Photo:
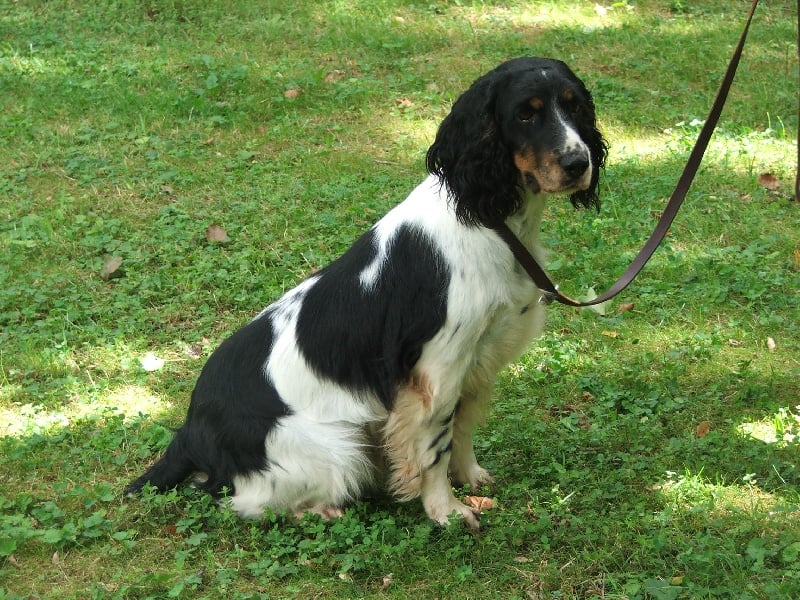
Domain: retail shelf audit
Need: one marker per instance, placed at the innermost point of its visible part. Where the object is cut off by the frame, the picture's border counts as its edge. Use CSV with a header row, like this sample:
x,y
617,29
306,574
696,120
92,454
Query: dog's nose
x,y
574,164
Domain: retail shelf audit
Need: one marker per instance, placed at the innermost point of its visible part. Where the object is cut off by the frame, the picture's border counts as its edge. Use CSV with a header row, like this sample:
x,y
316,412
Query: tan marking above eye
x,y
568,95
536,103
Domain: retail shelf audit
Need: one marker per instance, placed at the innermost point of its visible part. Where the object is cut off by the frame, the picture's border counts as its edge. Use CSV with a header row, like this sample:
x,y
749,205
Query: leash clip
x,y
547,298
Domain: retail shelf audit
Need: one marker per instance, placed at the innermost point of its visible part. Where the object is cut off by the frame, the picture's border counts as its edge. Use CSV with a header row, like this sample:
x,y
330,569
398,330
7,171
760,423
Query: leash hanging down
x,y
550,291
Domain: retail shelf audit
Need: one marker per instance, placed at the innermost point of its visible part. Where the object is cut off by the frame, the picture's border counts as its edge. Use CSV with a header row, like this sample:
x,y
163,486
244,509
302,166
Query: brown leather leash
x,y
550,291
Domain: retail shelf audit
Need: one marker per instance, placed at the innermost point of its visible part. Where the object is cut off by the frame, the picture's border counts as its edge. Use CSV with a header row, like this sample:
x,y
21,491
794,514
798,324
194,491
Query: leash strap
x,y
550,291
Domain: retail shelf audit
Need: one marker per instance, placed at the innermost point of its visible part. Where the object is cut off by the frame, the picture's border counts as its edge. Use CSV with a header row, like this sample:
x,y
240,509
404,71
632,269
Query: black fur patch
x,y
369,339
233,408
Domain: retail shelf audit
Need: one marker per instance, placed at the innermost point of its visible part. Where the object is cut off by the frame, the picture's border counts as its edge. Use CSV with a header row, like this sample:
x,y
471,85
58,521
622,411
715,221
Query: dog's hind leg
x,y
311,467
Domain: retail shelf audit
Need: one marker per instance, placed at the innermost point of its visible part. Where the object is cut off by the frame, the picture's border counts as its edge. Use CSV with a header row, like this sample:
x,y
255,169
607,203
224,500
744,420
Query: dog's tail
x,y
170,470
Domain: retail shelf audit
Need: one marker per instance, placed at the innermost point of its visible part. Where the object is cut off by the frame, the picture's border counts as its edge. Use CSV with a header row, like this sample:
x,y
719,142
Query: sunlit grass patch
x,y
17,420
782,428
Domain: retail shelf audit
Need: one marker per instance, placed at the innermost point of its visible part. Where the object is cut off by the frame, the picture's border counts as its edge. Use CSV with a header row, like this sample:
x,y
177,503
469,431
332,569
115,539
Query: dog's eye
x,y
526,114
573,107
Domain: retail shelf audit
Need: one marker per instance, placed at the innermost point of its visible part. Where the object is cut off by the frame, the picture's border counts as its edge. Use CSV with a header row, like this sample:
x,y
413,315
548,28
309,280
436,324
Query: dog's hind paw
x,y
325,511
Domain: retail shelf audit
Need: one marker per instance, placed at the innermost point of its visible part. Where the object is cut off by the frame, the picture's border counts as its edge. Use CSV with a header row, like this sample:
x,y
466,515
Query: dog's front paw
x,y
474,475
441,512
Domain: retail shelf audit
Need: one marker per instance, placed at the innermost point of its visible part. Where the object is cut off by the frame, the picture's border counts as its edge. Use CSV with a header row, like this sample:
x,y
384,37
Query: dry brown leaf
x,y
734,343
625,307
771,345
291,94
215,233
479,502
12,560
404,102
702,429
56,560
769,181
111,268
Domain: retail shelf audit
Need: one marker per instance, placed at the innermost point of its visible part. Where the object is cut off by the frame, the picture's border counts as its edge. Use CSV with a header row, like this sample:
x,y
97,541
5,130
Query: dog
x,y
375,370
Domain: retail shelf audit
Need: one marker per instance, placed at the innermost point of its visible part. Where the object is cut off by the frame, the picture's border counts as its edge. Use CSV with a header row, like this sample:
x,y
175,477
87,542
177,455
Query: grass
x,y
643,453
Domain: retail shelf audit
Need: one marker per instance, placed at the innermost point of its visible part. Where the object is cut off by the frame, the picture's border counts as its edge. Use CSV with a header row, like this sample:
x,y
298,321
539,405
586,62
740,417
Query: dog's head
x,y
529,122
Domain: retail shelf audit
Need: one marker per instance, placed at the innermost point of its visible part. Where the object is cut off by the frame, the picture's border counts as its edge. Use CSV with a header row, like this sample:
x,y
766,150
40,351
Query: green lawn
x,y
650,451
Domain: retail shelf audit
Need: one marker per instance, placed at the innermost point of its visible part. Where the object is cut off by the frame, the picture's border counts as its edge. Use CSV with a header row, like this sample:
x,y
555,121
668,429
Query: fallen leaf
x,y
479,502
171,530
12,560
609,333
404,102
587,397
797,258
208,141
215,233
677,580
771,345
291,94
56,559
769,181
111,268
387,581
702,429
734,343
625,307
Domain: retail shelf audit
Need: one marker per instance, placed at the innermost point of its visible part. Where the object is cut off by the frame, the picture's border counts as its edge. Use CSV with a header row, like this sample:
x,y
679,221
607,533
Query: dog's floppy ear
x,y
471,160
598,148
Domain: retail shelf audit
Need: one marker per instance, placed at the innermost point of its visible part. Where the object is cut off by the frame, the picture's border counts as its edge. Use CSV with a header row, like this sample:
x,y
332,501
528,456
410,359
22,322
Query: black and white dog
x,y
385,360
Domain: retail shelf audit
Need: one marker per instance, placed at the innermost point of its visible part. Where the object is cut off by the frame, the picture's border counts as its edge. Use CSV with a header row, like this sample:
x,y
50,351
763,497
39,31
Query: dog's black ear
x,y
598,148
471,160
